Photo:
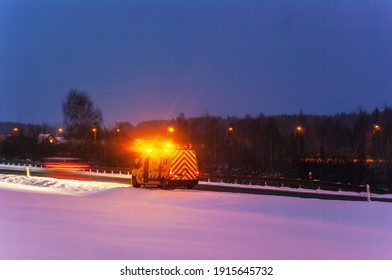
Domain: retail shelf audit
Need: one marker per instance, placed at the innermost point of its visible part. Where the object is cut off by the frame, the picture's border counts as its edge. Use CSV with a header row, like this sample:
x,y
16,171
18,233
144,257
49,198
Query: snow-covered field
x,y
44,218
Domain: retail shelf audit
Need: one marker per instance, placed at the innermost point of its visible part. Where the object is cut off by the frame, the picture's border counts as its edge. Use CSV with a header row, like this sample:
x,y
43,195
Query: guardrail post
x,y
368,192
27,171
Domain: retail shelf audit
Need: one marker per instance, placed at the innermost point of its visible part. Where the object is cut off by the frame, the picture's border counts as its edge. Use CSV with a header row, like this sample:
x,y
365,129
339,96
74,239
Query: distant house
x,y
47,138
61,140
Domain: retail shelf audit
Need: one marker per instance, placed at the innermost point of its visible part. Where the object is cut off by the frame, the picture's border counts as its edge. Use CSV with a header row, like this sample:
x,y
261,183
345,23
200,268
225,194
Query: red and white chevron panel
x,y
184,163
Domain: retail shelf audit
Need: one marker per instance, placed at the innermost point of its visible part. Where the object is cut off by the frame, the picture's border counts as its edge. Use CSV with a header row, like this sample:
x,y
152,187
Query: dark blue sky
x,y
142,60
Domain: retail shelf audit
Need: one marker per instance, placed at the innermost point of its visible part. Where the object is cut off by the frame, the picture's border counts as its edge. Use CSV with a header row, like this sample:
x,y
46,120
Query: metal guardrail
x,y
21,164
291,182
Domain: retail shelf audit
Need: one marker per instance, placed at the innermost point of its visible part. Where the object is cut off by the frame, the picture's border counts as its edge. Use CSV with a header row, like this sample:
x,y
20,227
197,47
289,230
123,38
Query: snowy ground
x,y
44,218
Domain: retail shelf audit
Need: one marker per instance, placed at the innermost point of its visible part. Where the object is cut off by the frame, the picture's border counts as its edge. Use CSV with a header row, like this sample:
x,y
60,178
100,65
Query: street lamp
x,y
298,130
375,139
299,141
376,128
230,129
60,132
94,130
170,130
15,130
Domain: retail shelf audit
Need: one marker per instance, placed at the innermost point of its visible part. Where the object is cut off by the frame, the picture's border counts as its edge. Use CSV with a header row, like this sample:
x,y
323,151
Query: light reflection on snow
x,y
59,185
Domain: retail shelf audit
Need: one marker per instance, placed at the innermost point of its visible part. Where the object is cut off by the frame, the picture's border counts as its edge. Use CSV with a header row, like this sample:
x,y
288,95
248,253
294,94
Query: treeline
x,y
347,147
265,142
351,148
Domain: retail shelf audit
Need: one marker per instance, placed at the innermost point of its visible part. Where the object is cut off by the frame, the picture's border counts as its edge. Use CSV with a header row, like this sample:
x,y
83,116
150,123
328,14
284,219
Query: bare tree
x,y
82,120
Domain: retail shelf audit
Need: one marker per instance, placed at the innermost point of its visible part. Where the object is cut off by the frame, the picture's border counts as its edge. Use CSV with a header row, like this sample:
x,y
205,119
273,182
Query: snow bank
x,y
112,221
57,185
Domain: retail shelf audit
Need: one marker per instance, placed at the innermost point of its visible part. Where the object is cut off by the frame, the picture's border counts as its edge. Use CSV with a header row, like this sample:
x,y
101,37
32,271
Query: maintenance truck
x,y
166,166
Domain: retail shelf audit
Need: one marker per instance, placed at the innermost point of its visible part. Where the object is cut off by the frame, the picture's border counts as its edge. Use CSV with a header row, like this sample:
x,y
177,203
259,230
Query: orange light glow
x,y
15,129
60,130
170,129
67,165
299,128
142,145
376,127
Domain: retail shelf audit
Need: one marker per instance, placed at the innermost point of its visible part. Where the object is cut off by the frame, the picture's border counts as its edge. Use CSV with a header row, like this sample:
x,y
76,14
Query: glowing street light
x,y
376,127
60,132
230,129
170,130
298,130
15,130
94,130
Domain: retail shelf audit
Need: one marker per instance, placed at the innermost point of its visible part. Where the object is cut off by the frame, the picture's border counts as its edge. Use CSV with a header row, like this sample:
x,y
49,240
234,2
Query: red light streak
x,y
67,165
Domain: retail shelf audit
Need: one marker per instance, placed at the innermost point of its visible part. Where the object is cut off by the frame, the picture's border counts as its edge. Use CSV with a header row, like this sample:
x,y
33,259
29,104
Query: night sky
x,y
144,60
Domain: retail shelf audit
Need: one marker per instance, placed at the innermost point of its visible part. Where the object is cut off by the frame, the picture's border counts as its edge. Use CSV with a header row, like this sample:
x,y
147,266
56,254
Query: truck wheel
x,y
164,184
134,182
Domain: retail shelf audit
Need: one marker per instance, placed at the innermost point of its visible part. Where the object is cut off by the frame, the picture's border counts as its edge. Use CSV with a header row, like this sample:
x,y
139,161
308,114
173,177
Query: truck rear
x,y
165,167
